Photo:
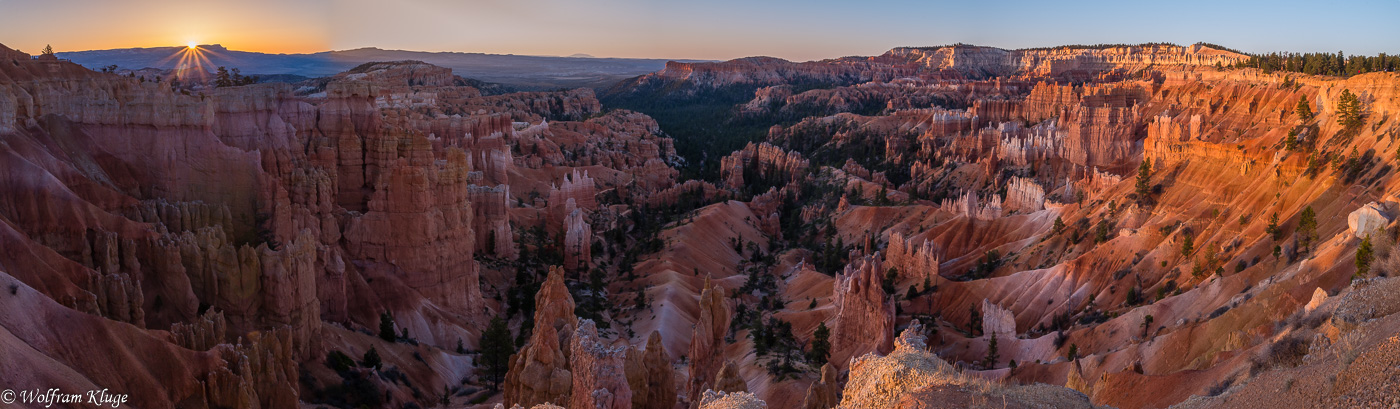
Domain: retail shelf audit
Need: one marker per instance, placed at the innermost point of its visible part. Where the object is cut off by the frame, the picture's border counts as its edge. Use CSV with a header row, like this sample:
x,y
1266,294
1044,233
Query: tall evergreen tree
x,y
821,345
1304,108
222,78
1307,228
1144,182
496,349
990,362
1187,244
1348,110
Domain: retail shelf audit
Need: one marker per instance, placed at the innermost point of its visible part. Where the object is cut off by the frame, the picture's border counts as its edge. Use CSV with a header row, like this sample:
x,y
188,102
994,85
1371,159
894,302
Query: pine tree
x,y
48,50
496,349
1348,110
974,320
1307,228
1059,225
1272,228
1187,244
1304,109
990,362
1144,181
372,359
821,345
221,78
386,327
1364,254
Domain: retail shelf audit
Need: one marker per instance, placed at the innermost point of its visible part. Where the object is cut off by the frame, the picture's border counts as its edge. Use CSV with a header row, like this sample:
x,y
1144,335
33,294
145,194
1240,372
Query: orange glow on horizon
x,y
301,28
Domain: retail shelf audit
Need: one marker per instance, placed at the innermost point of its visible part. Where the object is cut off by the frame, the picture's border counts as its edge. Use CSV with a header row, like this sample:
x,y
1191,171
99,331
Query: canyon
x,y
1120,226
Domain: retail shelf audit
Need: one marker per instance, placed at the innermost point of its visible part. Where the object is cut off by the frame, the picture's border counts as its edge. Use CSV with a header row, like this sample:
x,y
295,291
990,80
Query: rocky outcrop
x,y
970,206
599,378
1059,61
912,261
912,377
1366,220
689,190
1175,140
1024,195
541,371
1318,297
578,242
864,320
491,220
763,161
729,380
1102,129
419,229
576,186
998,321
255,288
650,376
707,341
949,62
539,406
201,334
494,159
260,372
732,400
825,392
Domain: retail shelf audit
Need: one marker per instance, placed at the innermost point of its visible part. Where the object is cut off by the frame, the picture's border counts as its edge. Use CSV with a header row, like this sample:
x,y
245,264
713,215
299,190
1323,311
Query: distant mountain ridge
x,y
519,71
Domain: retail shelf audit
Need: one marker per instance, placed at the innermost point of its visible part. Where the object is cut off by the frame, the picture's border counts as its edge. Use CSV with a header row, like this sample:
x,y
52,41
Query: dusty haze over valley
x,y
346,220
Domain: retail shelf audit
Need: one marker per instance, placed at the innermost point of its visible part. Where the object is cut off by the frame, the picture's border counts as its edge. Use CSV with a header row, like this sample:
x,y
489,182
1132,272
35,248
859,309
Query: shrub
x,y
1364,255
386,327
338,361
372,359
1286,352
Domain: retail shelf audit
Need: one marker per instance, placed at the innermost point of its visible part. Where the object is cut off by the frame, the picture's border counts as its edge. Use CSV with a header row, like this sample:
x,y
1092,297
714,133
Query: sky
x,y
711,29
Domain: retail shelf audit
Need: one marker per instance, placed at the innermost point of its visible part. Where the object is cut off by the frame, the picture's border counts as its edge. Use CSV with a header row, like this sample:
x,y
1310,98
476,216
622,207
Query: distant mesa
x,y
522,72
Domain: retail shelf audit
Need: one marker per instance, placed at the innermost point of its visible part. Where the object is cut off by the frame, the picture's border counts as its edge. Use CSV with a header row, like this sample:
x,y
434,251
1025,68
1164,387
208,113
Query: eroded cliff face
x,y
599,379
541,372
865,315
650,376
947,62
707,342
